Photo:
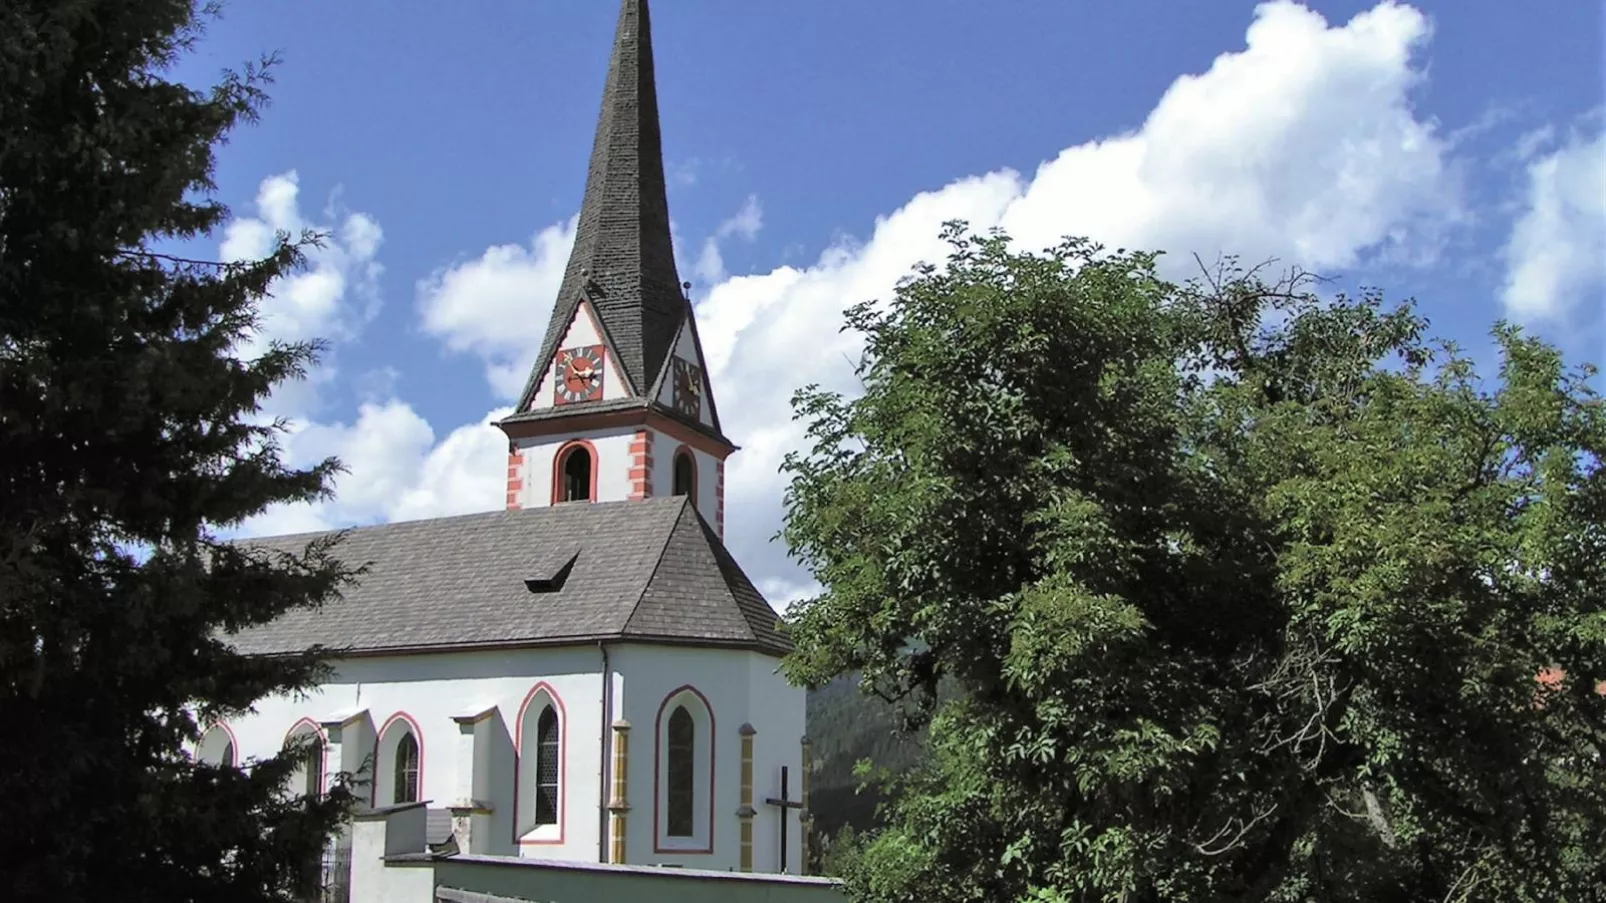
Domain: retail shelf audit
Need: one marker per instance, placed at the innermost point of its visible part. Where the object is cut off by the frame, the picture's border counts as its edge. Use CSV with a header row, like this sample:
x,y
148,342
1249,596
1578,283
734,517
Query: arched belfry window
x,y
546,768
576,475
685,475
680,773
405,770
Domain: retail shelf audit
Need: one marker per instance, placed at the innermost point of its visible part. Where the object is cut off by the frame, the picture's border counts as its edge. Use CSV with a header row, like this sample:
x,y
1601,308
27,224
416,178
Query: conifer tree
x,y
131,439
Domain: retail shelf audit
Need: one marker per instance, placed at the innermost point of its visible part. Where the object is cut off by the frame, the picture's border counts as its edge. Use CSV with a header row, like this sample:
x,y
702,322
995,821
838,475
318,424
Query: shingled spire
x,y
623,260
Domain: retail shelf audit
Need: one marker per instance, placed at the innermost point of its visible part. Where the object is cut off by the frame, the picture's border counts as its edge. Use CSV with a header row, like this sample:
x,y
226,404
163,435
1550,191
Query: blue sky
x,y
1449,151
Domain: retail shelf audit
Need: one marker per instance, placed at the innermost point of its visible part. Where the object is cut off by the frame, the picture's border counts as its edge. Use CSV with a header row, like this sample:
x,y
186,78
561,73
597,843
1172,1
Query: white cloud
x,y
745,224
1556,254
394,470
336,294
1303,145
497,306
331,298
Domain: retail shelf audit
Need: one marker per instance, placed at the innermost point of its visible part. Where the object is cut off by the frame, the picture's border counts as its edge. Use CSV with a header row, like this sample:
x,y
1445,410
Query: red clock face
x,y
688,388
579,374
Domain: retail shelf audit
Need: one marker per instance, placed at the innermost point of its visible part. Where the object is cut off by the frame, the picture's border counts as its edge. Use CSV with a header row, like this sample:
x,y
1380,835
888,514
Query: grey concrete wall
x,y
562,882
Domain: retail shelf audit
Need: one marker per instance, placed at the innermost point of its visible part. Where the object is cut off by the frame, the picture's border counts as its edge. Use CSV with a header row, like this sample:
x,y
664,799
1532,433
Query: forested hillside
x,y
845,727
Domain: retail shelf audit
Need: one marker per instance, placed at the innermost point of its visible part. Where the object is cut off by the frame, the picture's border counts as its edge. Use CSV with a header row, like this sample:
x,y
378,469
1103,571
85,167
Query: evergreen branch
x,y
183,261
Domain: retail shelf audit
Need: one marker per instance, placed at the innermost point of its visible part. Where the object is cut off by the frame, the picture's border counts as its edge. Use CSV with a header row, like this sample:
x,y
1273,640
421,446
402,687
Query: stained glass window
x,y
406,772
681,777
546,768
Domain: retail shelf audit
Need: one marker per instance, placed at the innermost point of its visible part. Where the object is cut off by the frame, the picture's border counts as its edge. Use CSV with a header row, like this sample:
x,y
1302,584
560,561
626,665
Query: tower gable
x,y
686,368
584,331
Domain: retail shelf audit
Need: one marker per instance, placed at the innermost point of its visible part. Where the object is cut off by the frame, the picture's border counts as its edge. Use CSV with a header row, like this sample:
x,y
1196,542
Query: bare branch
x,y
1237,839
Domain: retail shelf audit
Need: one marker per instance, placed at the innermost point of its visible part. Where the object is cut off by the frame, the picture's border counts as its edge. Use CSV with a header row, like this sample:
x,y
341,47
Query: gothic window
x,y
574,474
405,770
538,804
216,747
685,475
307,779
546,768
681,774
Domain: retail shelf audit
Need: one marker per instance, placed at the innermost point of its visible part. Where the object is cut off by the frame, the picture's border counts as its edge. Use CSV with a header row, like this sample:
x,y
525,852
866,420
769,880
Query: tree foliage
x,y
131,433
1245,592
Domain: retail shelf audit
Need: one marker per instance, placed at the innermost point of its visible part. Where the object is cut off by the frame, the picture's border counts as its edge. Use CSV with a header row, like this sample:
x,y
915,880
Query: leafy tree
x,y
1245,592
130,434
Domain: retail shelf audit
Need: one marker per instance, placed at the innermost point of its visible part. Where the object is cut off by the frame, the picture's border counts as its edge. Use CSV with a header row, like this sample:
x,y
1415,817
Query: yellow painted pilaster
x,y
745,812
803,817
619,805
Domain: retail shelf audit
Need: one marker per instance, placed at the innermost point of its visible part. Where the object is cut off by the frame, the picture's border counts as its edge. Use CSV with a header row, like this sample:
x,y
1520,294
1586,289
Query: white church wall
x,y
611,465
778,715
426,693
738,687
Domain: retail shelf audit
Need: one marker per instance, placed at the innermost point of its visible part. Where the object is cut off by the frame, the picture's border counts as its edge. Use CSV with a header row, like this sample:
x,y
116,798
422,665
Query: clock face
x,y
688,388
579,374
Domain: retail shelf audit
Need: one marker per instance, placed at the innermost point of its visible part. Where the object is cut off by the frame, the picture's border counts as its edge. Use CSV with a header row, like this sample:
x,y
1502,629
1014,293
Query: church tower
x,y
618,405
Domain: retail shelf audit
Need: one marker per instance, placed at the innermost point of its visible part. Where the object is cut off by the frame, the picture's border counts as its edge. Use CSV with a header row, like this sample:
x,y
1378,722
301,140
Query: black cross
x,y
784,804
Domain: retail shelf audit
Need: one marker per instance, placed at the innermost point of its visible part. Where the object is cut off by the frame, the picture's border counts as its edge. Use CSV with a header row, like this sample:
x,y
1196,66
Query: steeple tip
x,y
623,260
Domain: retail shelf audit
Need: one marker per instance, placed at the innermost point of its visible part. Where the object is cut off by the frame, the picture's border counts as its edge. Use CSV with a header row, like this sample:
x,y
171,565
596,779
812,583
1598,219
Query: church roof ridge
x,y
623,260
649,571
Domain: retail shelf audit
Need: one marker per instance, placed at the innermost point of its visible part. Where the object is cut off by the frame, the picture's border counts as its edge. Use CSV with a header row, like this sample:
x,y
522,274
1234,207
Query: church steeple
x,y
621,356
623,260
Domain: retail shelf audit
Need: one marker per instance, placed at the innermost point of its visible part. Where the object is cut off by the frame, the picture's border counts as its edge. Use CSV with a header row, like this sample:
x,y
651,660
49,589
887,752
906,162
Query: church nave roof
x,y
651,571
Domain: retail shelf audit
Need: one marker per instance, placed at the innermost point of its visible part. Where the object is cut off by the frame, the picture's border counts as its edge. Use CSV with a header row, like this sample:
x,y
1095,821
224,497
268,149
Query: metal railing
x,y
334,877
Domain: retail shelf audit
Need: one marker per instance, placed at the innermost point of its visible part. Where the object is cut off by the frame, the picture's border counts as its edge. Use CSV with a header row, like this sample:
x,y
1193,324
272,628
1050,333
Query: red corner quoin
x,y
641,466
515,480
719,498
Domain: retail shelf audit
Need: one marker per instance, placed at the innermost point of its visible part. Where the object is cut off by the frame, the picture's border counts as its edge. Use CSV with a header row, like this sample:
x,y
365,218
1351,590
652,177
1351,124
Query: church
x,y
587,676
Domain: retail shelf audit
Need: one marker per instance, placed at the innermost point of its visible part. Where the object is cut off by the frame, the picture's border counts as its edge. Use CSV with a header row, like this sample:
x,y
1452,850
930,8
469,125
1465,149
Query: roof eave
x,y
775,650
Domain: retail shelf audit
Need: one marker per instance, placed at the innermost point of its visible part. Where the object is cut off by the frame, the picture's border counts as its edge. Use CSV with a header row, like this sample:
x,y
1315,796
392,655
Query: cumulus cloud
x,y
1302,145
332,298
1556,254
337,293
745,224
497,305
395,470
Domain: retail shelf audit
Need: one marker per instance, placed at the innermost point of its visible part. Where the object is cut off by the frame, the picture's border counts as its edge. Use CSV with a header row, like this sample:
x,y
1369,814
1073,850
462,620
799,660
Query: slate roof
x,y
650,571
623,258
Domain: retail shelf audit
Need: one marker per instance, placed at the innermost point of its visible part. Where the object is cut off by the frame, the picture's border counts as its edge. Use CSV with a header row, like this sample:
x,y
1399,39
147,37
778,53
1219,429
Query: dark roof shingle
x,y
647,570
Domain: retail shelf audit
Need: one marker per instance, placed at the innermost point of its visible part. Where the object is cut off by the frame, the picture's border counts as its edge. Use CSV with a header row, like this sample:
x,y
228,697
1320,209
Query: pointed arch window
x,y
576,477
216,747
405,771
307,779
683,779
685,480
680,773
539,777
